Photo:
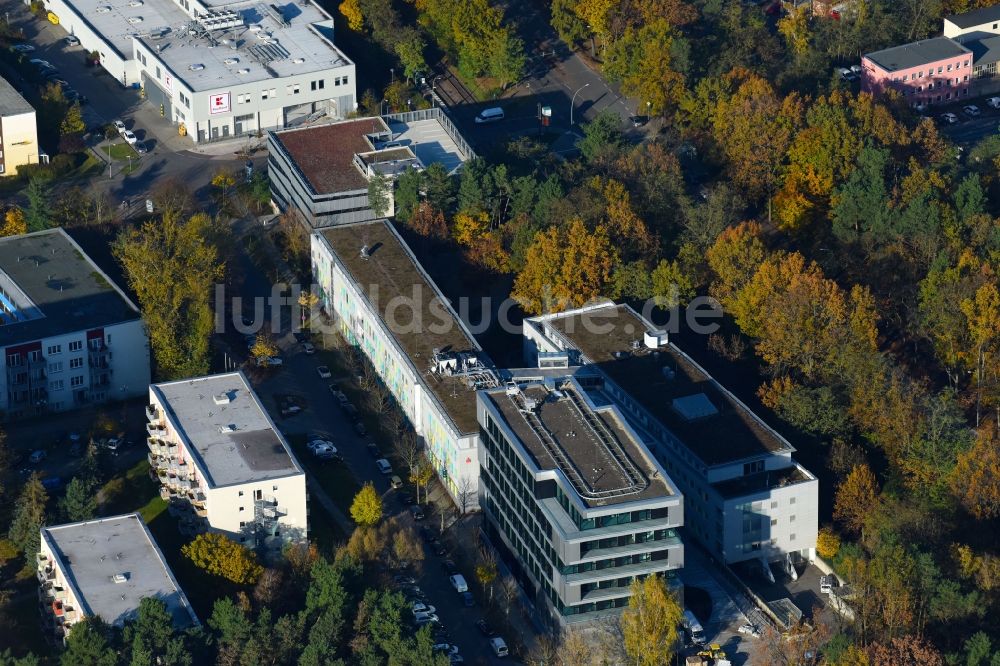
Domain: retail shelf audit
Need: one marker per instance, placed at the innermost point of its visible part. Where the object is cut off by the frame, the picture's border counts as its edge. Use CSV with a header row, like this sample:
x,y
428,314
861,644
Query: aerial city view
x,y
530,332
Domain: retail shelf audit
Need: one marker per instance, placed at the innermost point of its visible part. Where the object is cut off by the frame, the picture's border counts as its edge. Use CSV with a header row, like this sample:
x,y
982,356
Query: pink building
x,y
931,71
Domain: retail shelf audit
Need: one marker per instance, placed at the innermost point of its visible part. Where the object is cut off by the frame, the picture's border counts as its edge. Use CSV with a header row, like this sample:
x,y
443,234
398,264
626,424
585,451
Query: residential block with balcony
x,y
576,502
745,497
222,464
70,337
103,568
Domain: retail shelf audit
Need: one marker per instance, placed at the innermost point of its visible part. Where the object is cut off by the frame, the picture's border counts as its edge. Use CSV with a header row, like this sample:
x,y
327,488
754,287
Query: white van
x,y
490,115
458,582
499,646
694,629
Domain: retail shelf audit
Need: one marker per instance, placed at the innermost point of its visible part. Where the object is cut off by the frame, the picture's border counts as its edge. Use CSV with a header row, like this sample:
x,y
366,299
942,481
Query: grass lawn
x,y
130,491
322,530
22,630
119,151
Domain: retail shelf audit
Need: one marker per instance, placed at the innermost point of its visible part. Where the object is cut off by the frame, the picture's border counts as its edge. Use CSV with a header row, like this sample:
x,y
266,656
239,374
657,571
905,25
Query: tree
x,y
735,258
378,194
439,188
152,637
486,573
565,267
29,517
507,58
72,122
351,10
642,60
407,195
827,542
570,26
264,347
88,644
428,222
79,503
420,475
911,650
649,624
601,137
409,47
38,215
975,479
366,509
855,498
224,181
172,267
14,222
219,555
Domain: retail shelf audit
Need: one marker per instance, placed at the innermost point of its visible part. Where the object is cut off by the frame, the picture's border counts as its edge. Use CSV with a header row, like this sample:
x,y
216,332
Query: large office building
x,y
18,131
384,303
222,464
745,496
577,500
104,568
322,171
219,68
70,337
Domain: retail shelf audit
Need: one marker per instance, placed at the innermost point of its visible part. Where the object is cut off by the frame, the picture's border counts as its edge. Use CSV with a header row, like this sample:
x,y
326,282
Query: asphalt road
x,y
969,131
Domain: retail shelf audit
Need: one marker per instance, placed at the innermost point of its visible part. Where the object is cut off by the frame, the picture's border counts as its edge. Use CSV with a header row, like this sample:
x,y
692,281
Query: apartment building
x,y
104,568
383,302
931,71
976,24
222,464
322,172
70,337
18,131
745,496
219,68
580,506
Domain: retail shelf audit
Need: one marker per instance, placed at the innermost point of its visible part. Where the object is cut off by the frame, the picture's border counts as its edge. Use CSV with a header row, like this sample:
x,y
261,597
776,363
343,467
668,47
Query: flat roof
x,y
224,425
11,101
592,448
975,17
92,552
429,141
656,378
118,21
985,50
916,54
754,483
66,289
324,154
391,275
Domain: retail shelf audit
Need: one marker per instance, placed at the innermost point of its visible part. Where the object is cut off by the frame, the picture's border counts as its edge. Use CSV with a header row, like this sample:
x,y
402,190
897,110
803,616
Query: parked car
x,y
971,110
425,618
449,568
395,482
72,40
456,659
38,62
407,499
993,102
948,118
23,48
350,410
373,450
323,372
308,348
485,629
417,512
421,607
322,448
499,646
338,394
468,600
384,466
440,550
130,137
140,147
120,126
51,483
360,428
458,582
37,457
446,648
116,445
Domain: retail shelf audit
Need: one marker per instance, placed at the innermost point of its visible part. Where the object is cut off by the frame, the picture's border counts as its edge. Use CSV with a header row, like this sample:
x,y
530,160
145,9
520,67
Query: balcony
x,y
156,430
152,414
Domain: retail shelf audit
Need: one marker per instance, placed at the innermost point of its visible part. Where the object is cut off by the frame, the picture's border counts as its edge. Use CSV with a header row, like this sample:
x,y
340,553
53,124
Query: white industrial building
x,y
745,496
580,505
384,303
222,464
70,337
219,69
18,131
104,568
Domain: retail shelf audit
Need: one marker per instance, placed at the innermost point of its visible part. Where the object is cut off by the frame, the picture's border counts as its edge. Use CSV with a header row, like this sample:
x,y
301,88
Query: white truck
x,y
693,628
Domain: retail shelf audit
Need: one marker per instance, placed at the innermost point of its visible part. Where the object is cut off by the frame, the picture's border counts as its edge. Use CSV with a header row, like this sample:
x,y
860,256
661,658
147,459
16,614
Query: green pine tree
x,y
29,516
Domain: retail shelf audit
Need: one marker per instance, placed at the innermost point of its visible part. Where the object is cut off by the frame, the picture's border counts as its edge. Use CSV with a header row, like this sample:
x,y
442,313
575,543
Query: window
x,y
54,349
791,537
55,367
753,467
940,69
774,521
241,508
76,345
345,80
965,64
791,500
949,68
263,94
274,488
241,493
76,381
56,385
774,505
292,89
76,362
791,519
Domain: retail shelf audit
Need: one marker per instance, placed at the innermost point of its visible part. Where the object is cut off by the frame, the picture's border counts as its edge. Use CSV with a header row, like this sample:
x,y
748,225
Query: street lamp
x,y
433,84
392,75
573,101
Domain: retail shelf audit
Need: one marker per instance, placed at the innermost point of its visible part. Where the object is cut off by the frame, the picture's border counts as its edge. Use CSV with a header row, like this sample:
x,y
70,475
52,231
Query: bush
x,y
8,551
218,554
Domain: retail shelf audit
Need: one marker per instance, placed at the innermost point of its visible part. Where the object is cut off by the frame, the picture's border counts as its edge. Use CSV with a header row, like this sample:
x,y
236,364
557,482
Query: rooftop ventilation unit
x,y
197,67
134,19
299,61
655,339
119,578
231,61
221,399
104,9
219,19
224,429
245,70
694,407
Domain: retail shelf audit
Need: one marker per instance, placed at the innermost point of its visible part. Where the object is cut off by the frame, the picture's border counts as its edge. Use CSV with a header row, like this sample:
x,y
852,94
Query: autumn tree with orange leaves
x,y
855,498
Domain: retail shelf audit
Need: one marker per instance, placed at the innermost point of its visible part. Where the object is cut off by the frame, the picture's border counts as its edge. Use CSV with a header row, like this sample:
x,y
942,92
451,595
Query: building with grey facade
x,y
745,497
579,506
322,171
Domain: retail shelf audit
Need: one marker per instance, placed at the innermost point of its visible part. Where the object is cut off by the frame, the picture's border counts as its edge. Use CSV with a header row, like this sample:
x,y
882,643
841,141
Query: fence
x,y
439,115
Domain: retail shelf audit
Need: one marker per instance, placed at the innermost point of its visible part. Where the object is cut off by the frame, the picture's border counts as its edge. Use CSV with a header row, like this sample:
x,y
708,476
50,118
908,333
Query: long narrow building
x,y
386,305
